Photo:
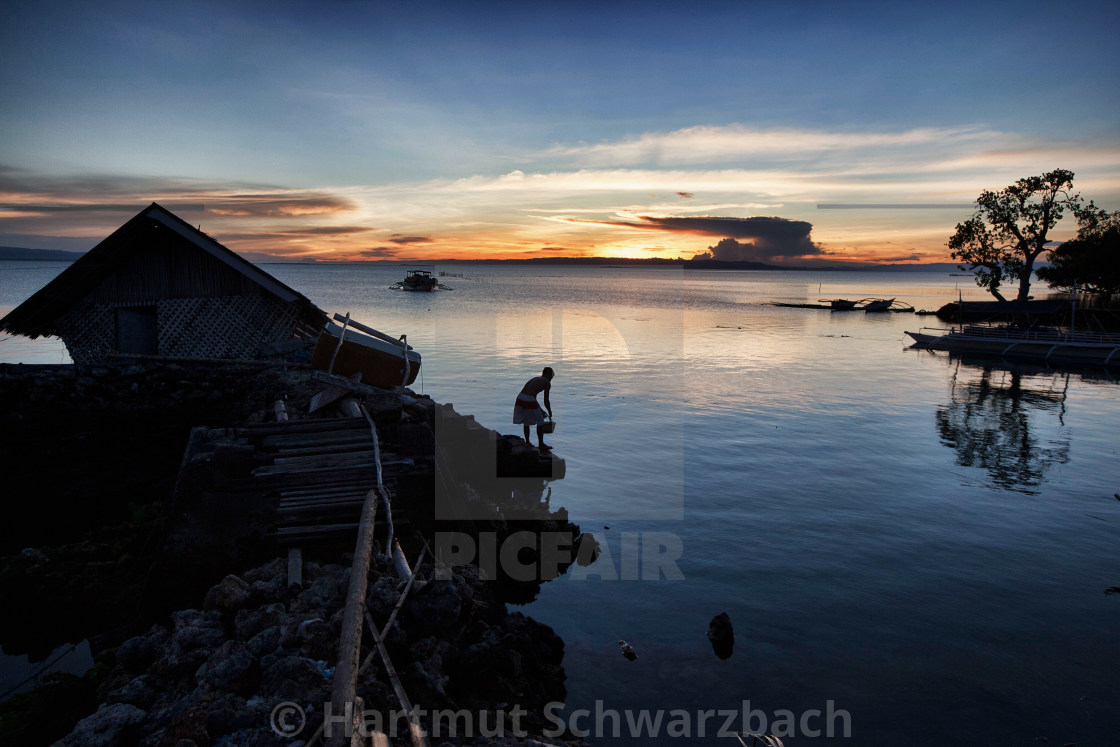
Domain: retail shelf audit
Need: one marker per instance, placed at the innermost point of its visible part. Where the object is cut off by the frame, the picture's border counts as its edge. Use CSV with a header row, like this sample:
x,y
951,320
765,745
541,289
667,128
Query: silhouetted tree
x,y
1005,236
1092,260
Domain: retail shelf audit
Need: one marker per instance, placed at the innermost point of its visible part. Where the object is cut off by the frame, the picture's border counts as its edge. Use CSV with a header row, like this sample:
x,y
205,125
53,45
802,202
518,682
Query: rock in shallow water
x,y
722,635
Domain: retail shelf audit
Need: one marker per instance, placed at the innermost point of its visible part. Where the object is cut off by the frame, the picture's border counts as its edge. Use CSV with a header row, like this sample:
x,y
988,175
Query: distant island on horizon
x,y
11,253
38,255
689,264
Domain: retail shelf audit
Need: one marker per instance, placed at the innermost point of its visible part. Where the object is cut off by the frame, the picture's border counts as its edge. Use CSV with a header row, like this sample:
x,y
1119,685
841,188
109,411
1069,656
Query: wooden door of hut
x,y
137,330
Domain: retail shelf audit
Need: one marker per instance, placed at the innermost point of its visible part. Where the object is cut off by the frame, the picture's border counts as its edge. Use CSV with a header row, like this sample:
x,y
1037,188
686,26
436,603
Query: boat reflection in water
x,y
1009,422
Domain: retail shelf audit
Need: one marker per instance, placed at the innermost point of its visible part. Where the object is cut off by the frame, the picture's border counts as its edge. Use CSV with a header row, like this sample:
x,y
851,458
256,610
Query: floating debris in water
x,y
628,650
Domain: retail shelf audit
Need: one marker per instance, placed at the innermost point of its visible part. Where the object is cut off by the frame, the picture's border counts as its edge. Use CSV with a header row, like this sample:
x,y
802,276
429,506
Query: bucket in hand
x,y
548,426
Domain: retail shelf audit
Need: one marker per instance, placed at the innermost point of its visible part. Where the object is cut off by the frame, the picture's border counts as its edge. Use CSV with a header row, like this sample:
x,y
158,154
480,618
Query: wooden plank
x,y
371,331
305,508
321,399
290,513
316,478
316,500
319,493
310,425
290,473
337,459
323,438
325,499
317,529
324,490
304,539
315,449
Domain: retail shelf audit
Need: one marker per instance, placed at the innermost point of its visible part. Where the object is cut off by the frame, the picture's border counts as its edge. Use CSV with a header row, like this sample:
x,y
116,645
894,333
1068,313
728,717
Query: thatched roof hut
x,y
159,286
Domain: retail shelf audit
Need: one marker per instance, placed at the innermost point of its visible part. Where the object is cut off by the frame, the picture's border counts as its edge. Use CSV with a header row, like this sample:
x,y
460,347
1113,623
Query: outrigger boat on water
x,y
878,304
419,281
869,304
1034,344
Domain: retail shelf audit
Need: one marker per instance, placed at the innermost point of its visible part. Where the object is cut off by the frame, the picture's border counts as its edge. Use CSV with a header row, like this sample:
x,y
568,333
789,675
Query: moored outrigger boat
x,y
419,281
843,304
885,304
878,304
1036,344
353,348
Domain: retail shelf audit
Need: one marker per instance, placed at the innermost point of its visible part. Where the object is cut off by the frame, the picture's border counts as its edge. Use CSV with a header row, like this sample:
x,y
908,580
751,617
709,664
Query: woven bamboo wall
x,y
223,327
89,331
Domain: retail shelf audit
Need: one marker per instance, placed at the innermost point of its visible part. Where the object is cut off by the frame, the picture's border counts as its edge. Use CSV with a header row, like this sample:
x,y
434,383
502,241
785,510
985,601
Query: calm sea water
x,y
923,542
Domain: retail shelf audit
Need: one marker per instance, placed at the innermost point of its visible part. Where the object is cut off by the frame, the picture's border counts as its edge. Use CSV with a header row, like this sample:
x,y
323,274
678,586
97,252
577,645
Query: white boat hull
x,y
1057,350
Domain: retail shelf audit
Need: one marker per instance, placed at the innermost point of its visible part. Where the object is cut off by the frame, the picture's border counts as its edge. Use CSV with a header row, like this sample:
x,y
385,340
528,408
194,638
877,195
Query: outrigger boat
x,y
1035,344
878,304
869,304
419,281
352,348
840,304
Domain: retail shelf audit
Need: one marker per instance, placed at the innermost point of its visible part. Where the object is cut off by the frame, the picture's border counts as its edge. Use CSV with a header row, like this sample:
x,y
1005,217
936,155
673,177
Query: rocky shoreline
x,y
215,675
212,672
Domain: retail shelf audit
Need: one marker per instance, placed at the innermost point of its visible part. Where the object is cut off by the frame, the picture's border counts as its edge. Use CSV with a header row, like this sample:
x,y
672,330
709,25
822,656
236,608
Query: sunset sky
x,y
351,130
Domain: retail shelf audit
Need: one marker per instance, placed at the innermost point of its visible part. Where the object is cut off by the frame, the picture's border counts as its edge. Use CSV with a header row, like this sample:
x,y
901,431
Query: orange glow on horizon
x,y
359,249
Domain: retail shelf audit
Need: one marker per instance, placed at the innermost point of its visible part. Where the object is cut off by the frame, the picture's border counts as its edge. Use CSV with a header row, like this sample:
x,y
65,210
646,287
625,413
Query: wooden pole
x,y
350,638
371,331
415,731
295,571
341,339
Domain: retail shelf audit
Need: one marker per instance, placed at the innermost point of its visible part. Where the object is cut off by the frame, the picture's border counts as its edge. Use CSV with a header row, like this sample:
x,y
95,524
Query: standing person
x,y
527,412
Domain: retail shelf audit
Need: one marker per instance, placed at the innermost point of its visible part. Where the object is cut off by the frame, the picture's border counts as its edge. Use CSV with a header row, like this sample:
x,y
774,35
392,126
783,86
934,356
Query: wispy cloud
x,y
380,252
733,143
603,198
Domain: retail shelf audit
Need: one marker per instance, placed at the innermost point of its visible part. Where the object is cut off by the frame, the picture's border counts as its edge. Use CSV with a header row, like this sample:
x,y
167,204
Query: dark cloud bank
x,y
759,239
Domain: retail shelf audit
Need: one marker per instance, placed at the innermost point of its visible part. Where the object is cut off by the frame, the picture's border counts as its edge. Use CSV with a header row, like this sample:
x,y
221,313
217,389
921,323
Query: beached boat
x,y
1035,344
353,348
417,280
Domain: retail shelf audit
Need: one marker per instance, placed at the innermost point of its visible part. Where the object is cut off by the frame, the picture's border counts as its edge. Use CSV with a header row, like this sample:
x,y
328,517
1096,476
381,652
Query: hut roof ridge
x,y
38,314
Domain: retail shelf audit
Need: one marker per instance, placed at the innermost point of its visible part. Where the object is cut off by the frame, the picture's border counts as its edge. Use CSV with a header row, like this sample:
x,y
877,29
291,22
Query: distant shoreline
x,y
10,253
20,254
619,262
